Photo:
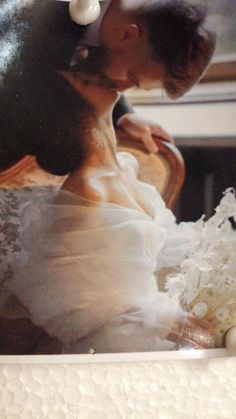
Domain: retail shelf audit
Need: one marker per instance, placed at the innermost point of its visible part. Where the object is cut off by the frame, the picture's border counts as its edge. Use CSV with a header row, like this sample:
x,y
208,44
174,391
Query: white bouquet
x,y
205,281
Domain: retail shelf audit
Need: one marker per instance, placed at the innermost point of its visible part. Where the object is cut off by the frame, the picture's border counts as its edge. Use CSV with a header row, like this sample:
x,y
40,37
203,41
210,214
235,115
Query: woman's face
x,y
100,97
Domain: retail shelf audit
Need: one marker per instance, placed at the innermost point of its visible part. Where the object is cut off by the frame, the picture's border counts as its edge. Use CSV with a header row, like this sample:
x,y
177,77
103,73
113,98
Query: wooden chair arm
x,y
165,170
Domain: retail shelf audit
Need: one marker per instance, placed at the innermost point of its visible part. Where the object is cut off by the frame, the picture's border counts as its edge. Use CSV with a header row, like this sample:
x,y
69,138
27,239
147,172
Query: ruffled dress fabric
x,y
87,272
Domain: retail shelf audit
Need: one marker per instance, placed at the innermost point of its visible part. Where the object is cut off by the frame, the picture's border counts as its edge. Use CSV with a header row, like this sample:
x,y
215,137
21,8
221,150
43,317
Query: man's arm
x,y
122,107
125,118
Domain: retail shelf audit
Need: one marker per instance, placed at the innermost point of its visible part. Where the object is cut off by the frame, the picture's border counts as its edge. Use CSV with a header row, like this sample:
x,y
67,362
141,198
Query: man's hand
x,y
144,130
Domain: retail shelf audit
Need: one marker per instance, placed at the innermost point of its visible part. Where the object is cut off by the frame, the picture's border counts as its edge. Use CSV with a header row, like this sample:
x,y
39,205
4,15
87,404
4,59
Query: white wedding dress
x,y
88,273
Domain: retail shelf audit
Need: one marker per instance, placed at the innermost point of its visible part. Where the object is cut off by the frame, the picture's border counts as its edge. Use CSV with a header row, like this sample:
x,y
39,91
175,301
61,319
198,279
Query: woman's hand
x,y
193,333
143,130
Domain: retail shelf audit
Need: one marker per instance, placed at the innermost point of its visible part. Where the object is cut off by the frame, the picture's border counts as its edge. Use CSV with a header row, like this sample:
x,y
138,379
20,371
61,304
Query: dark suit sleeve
x,y
122,107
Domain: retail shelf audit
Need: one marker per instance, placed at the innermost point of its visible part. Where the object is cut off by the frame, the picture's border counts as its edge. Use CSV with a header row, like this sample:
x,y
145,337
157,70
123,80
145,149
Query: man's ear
x,y
130,33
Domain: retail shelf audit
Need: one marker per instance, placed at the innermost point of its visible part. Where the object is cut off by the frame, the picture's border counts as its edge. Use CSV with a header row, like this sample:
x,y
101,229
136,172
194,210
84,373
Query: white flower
x,y
200,309
222,313
190,295
175,286
208,269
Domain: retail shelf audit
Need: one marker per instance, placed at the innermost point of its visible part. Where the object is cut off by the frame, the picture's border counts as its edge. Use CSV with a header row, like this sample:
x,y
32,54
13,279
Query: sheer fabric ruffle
x,y
87,272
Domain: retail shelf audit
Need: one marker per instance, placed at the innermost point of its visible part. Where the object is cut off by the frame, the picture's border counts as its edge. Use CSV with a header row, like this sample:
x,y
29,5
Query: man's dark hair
x,y
180,40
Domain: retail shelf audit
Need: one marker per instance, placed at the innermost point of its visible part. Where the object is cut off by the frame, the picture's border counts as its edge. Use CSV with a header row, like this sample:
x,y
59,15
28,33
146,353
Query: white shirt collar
x,y
92,32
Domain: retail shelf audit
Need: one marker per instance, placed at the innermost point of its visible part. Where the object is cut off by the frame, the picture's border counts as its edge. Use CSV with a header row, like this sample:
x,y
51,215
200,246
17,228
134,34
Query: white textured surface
x,y
148,390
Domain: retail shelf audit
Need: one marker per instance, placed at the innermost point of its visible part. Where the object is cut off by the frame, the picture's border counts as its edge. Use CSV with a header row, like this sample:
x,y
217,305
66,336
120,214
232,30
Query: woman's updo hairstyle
x,y
40,114
66,136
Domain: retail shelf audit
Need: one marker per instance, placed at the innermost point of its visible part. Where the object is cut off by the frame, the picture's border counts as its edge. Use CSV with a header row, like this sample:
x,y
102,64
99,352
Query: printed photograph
x,y
117,176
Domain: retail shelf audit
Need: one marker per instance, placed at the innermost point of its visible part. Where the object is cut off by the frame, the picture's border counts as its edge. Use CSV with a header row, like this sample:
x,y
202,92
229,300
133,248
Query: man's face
x,y
125,39
134,68
124,57
123,69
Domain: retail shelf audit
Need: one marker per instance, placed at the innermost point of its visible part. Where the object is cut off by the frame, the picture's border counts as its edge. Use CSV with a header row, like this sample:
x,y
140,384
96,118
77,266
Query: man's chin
x,y
116,84
110,84
121,89
121,86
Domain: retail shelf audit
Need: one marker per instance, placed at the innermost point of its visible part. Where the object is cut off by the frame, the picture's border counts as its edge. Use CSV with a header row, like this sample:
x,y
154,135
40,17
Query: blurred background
x,y
224,15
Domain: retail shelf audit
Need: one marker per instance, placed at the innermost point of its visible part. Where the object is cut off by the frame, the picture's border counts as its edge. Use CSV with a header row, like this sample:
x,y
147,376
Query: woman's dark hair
x,y
180,40
40,114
